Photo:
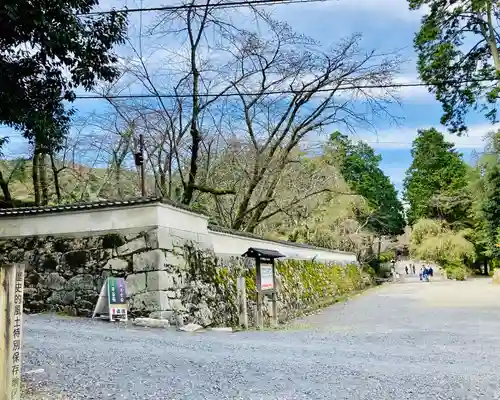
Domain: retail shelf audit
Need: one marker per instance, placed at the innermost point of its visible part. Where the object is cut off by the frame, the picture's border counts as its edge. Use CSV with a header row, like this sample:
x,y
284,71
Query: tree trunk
x,y
44,186
118,178
193,168
55,173
5,189
490,36
189,188
34,175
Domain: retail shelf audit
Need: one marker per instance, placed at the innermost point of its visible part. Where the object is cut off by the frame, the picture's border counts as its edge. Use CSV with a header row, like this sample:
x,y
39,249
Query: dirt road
x,y
437,340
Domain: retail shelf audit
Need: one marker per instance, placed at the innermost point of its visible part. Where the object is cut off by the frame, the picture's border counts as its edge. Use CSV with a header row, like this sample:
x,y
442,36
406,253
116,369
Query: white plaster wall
x,y
172,217
85,221
172,223
229,244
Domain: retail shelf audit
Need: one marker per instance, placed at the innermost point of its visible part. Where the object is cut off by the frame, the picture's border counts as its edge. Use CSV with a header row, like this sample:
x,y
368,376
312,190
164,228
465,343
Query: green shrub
x,y
456,271
386,257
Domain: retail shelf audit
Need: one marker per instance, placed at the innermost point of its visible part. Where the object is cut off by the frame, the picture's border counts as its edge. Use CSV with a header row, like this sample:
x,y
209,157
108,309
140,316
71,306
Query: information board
x,y
113,299
266,277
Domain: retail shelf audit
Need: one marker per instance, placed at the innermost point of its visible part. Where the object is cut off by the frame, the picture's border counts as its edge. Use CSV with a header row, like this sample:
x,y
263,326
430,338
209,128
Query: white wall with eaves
x,y
172,223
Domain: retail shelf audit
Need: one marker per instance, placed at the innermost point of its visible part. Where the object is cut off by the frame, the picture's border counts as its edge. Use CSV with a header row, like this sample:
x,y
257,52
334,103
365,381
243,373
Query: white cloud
x,y
408,94
401,138
390,9
413,94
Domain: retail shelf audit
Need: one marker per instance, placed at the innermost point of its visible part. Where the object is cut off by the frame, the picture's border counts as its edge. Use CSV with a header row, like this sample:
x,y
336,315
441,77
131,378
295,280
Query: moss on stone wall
x,y
302,286
212,295
306,285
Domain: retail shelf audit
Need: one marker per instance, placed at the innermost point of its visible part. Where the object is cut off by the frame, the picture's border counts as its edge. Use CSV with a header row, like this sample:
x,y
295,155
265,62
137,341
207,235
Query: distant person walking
x,y
406,269
413,267
426,274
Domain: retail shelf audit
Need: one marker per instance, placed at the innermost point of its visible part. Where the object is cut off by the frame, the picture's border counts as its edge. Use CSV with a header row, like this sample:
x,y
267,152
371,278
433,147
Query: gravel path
x,y
400,341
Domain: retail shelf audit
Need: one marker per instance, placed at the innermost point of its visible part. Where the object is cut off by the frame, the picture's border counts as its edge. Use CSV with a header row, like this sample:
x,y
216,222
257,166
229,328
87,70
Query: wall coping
x,y
94,205
81,208
227,231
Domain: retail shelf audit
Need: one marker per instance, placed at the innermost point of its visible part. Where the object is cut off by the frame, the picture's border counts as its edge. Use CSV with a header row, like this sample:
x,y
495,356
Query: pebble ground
x,y
438,340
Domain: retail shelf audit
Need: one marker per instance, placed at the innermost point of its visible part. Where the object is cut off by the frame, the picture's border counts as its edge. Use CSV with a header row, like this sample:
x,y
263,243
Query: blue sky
x,y
386,25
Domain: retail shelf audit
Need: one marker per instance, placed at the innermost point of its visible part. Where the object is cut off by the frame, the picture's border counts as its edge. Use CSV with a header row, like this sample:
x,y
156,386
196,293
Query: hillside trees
x,y
47,51
463,230
435,183
458,56
485,185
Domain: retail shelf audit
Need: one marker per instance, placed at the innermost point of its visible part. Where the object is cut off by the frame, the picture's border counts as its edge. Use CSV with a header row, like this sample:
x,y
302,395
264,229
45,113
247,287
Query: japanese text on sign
x,y
266,277
17,331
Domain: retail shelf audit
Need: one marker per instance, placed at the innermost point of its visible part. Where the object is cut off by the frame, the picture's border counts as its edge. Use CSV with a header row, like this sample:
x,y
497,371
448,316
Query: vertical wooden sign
x,y
11,330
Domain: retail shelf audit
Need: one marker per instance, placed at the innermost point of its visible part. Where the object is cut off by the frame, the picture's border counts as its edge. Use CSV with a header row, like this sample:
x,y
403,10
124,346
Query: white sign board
x,y
113,300
266,277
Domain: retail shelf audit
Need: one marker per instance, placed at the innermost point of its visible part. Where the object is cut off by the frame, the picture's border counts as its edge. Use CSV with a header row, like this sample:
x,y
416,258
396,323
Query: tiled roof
x,y
22,211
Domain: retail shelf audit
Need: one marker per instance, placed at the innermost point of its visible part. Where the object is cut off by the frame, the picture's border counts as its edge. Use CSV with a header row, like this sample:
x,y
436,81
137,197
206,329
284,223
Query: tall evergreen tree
x,y
458,56
360,167
435,183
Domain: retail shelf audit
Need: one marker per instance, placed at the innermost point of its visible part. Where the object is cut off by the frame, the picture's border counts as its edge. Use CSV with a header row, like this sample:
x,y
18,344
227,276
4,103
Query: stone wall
x,y
176,266
210,295
66,273
178,281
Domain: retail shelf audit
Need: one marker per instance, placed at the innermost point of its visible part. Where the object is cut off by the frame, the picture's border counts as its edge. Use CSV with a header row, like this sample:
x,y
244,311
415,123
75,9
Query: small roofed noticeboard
x,y
112,300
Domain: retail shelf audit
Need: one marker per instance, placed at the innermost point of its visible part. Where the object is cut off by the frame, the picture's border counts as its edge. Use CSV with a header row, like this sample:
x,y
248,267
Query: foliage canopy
x,y
435,182
360,167
458,56
47,51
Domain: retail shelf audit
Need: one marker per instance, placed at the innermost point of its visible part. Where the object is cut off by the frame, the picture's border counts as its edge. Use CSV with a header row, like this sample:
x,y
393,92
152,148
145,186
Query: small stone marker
x,y
11,330
191,328
151,322
222,329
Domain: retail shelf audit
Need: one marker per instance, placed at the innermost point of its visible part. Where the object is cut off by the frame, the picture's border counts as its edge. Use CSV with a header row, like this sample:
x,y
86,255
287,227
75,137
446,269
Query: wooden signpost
x,y
11,330
266,281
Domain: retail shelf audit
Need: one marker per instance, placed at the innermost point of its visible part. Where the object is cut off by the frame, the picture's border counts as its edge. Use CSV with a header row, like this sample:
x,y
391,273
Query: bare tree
x,y
243,98
291,90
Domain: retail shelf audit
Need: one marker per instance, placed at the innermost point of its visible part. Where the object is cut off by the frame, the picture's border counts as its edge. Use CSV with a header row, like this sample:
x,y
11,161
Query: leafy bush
x,y
386,257
456,271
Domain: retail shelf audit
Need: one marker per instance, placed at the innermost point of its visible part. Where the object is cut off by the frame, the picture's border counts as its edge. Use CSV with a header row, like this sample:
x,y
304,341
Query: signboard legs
x,y
274,317
242,301
11,329
259,320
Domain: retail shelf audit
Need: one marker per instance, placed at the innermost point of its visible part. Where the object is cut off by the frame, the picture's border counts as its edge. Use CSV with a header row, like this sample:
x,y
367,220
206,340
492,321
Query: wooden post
x,y
242,301
260,314
11,328
260,297
274,318
274,299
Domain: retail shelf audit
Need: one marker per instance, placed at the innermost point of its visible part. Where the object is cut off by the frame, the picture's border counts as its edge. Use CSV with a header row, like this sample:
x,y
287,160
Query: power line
x,y
289,91
472,146
228,4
